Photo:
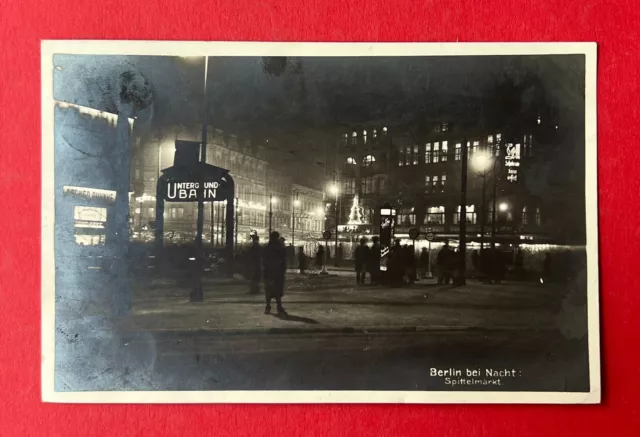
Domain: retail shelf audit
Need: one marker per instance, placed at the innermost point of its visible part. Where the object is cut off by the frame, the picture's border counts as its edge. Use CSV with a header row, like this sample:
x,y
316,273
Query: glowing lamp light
x,y
274,200
296,202
503,207
334,190
481,161
319,212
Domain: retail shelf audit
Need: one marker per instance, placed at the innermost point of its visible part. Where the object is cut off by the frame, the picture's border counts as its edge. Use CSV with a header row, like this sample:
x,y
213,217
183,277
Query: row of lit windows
x,y
438,151
435,215
354,135
367,161
368,185
435,183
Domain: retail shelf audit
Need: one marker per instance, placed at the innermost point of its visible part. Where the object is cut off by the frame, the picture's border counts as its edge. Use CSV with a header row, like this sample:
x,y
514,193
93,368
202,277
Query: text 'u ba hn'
x,y
189,190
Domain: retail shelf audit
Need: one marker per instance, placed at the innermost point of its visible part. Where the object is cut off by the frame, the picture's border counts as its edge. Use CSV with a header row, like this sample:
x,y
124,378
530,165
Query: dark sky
x,y
307,104
311,95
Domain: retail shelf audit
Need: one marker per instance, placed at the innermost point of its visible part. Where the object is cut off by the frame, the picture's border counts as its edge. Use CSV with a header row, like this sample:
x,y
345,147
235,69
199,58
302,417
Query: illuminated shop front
x,y
84,178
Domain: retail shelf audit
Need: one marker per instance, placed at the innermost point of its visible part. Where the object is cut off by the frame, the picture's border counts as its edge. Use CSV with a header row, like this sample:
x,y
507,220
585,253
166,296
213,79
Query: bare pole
x,y
203,155
270,213
463,215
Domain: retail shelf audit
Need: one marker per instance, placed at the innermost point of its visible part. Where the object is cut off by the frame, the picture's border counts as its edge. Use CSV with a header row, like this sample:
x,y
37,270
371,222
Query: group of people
x,y
268,263
401,266
367,259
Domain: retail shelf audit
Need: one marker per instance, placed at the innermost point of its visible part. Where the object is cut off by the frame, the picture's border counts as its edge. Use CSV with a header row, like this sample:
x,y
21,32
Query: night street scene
x,y
413,223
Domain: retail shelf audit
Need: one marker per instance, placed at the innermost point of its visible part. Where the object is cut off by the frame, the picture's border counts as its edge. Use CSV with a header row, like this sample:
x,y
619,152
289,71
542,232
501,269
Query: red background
x,y
613,25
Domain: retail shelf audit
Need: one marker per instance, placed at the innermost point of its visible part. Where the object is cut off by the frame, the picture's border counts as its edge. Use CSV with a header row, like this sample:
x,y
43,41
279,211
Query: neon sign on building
x,y
512,161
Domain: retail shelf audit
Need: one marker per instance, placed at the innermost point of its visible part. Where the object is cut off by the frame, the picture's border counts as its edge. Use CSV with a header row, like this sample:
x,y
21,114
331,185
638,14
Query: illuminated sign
x,y
90,193
188,191
355,229
387,230
512,161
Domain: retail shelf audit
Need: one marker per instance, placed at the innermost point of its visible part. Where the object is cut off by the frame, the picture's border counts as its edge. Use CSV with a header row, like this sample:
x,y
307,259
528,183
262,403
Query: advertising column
x,y
387,230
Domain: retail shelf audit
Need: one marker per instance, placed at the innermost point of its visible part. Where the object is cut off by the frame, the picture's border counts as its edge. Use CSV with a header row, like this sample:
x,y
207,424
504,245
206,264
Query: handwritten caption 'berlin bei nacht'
x,y
470,377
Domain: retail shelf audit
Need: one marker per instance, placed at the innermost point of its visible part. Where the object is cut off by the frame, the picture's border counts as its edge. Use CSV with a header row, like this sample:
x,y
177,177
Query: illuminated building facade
x,y
420,176
256,183
85,181
363,175
428,178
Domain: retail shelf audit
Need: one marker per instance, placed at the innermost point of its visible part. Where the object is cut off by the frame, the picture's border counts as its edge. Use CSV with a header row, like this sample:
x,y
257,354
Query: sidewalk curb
x,y
178,333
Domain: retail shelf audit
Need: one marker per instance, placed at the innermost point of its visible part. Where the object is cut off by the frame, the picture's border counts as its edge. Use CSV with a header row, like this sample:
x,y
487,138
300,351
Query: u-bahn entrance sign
x,y
188,191
192,181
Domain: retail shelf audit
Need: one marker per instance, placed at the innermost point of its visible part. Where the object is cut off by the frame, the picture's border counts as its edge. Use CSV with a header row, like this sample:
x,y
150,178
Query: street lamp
x,y
335,191
503,207
272,201
481,162
296,203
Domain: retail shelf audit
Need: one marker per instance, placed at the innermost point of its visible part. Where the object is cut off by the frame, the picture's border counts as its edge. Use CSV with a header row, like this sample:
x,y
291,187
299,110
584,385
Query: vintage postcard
x,y
315,222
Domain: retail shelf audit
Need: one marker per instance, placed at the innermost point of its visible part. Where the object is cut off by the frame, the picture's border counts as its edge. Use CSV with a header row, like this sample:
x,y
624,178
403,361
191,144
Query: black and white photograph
x,y
319,222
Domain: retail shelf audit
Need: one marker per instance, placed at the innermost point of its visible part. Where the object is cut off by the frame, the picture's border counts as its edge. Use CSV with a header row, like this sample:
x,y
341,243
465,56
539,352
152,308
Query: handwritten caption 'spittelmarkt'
x,y
477,377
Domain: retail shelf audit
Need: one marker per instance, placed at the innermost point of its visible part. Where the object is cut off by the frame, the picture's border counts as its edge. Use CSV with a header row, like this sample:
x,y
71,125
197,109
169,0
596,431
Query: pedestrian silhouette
x,y
302,261
320,256
362,256
255,265
445,262
423,263
274,261
373,263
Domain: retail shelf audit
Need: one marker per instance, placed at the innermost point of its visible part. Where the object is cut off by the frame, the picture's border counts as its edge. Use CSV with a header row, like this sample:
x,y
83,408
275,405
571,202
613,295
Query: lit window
x,y
470,215
89,224
384,129
434,216
401,157
445,150
525,216
366,184
349,186
351,160
407,156
368,160
435,183
427,182
443,181
406,217
375,133
436,152
415,155
538,217
427,153
382,187
458,152
445,127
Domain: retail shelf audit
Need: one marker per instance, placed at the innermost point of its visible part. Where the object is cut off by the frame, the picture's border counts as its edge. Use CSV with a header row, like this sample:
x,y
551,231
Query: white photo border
x,y
191,48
